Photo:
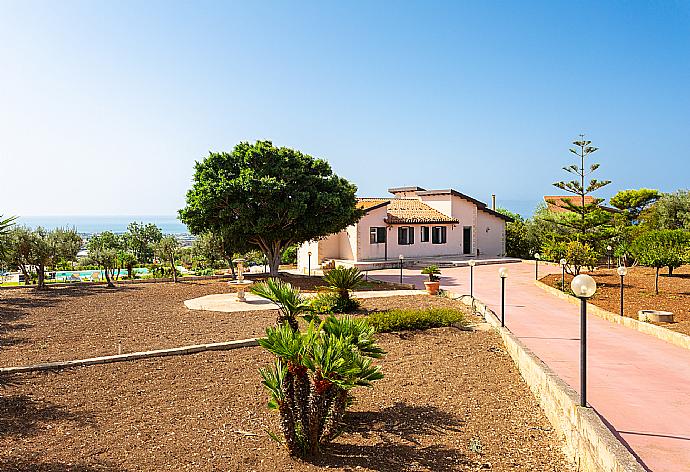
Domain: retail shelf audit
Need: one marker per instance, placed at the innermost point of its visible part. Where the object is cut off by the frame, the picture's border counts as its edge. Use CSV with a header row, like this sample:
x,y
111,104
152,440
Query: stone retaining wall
x,y
673,337
590,444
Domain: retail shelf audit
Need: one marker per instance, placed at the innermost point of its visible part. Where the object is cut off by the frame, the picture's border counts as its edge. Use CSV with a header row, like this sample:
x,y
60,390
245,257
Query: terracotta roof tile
x,y
556,203
370,203
402,210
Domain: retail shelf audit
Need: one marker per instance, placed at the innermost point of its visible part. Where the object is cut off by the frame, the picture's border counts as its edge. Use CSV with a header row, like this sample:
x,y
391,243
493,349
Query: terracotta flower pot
x,y
432,287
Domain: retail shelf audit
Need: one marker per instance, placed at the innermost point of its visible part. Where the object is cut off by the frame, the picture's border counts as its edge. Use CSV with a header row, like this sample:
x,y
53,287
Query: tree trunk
x,y
27,279
174,269
656,282
670,271
273,256
41,271
107,277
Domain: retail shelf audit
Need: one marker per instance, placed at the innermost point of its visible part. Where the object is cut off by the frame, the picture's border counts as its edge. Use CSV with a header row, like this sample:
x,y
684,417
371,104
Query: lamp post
x,y
402,259
503,274
622,271
309,263
471,263
608,256
536,265
583,287
563,264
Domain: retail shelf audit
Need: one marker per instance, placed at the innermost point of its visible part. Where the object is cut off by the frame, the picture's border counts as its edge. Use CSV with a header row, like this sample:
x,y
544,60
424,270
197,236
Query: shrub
x,y
289,255
433,272
331,302
417,319
312,376
342,280
291,303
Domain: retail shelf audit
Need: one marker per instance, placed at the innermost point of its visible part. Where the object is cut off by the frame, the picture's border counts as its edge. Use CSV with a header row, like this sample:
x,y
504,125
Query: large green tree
x,y
634,202
269,198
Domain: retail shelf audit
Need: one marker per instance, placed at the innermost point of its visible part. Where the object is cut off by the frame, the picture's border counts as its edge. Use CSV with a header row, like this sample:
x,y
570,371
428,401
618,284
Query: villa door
x,y
467,240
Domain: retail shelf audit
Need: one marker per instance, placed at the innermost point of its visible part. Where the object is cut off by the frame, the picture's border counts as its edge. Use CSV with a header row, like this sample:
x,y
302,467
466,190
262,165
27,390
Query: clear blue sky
x,y
105,106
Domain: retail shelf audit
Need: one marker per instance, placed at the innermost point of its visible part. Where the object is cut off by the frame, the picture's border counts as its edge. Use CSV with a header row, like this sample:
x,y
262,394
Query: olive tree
x,y
140,238
166,249
264,197
662,248
103,250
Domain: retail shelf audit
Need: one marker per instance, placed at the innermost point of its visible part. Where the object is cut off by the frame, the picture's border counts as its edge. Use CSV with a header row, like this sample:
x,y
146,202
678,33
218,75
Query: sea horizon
x,y
91,224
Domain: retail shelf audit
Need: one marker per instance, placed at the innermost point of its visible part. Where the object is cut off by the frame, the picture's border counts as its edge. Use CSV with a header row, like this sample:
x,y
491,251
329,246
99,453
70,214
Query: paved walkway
x,y
228,303
639,384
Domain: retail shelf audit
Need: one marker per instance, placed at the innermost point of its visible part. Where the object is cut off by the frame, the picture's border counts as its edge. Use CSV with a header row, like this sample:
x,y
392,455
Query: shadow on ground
x,y
22,416
21,464
398,433
15,305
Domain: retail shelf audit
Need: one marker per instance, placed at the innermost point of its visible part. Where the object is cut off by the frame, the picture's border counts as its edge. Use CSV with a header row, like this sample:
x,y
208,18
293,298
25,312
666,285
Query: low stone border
x,y
132,356
590,444
665,334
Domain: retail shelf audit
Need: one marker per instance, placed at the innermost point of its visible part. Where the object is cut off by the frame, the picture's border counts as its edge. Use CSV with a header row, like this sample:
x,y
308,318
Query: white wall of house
x,y
426,249
353,243
365,250
491,234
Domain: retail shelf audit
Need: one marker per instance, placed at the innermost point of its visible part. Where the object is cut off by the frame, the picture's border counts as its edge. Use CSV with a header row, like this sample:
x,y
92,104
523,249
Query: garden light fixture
x,y
471,263
583,287
563,264
309,263
537,256
402,259
609,250
503,274
622,271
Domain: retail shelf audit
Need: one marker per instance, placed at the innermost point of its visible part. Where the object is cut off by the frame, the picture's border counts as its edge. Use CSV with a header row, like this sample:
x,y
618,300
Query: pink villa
x,y
415,223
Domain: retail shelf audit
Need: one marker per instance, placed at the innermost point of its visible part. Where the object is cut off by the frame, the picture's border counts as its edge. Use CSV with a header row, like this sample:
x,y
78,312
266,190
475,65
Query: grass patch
x,y
416,319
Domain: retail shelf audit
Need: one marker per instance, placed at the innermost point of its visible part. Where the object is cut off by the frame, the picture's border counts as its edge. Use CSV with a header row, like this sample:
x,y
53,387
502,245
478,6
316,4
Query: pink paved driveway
x,y
639,384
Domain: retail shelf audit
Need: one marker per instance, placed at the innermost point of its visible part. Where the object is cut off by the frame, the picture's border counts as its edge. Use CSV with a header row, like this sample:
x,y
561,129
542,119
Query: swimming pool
x,y
87,274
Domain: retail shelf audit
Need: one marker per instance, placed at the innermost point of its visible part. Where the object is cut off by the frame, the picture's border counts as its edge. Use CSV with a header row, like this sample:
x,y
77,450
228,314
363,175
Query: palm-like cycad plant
x,y
313,375
5,226
342,280
289,299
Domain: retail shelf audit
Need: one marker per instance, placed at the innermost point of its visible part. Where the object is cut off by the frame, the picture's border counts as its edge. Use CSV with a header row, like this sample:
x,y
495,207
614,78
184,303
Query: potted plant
x,y
433,284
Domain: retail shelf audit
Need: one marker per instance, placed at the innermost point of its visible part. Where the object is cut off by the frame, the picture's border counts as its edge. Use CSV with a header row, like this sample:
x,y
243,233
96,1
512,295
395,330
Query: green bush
x,y
289,255
417,319
342,280
331,302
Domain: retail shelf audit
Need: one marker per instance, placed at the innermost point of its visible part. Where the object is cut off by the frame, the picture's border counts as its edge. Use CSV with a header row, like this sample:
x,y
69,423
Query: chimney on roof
x,y
493,201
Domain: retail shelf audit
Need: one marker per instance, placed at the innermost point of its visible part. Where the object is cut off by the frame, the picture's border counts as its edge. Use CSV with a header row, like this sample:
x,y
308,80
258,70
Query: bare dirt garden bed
x,y
674,293
73,322
451,400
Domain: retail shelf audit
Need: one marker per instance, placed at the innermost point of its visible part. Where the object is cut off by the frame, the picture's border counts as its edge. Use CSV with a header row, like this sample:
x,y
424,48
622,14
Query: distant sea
x,y
98,224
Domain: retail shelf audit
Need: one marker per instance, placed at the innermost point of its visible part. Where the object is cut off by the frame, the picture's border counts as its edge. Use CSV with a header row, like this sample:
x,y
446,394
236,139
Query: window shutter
x,y
410,235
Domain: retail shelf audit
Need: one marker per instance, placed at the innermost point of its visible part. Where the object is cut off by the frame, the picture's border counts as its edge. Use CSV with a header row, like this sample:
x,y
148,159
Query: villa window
x,y
405,235
424,234
438,235
377,235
